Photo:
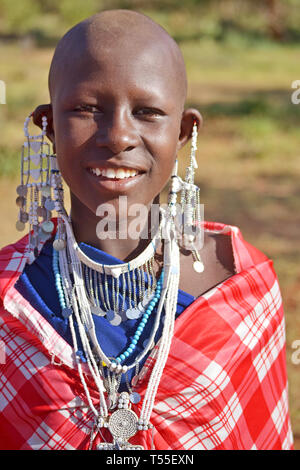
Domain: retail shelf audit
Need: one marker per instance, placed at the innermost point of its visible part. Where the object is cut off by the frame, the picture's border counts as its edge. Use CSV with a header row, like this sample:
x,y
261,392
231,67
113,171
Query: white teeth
x,y
111,173
120,173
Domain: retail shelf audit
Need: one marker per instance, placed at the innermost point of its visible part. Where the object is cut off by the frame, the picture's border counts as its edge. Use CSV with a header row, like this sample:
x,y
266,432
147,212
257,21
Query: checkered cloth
x,y
224,385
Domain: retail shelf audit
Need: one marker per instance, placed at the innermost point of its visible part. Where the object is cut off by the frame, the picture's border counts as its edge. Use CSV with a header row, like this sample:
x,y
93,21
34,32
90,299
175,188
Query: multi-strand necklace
x,y
83,287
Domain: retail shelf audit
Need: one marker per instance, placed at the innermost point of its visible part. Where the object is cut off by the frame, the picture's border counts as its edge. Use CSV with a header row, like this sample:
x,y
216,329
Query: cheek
x,y
71,134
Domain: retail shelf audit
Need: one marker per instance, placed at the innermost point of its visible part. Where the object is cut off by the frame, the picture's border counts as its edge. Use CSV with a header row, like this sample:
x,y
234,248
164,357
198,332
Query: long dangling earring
x,y
190,211
34,192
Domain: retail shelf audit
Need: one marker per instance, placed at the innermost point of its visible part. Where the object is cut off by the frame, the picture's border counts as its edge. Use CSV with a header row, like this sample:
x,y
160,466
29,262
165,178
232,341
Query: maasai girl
x,y
126,327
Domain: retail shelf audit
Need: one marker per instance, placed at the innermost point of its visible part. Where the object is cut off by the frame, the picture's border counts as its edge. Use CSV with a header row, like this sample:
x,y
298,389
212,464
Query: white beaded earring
x,y
34,192
189,210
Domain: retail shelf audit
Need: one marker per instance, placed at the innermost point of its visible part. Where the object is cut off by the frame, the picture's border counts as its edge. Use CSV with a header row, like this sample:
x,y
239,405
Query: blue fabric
x,y
37,285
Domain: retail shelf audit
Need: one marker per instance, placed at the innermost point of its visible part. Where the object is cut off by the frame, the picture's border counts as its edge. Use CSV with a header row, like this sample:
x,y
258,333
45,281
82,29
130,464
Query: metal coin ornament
x,y
122,424
96,310
35,188
21,190
133,313
48,226
198,266
20,226
116,321
59,244
110,314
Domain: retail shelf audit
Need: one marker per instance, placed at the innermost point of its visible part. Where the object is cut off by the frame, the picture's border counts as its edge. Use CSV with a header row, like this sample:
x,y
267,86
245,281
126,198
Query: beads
x,y
143,322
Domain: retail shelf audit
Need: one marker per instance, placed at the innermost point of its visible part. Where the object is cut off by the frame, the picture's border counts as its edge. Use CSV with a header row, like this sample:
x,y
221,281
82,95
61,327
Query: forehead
x,y
106,65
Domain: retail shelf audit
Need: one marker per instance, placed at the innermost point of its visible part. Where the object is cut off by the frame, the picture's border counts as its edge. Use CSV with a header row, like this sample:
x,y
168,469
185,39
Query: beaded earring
x,y
34,192
189,210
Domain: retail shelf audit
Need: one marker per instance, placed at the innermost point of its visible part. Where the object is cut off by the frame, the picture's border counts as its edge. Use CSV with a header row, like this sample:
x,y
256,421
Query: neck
x,y
123,237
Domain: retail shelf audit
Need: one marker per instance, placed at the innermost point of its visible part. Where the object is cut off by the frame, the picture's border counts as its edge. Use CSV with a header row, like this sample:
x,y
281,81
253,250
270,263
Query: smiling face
x,y
117,110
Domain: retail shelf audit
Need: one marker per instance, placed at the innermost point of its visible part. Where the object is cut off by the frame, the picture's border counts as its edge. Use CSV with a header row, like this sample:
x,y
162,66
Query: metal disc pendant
x,y
24,217
96,310
198,266
123,424
20,201
135,397
140,307
116,320
110,315
48,226
21,190
49,204
20,226
59,244
133,313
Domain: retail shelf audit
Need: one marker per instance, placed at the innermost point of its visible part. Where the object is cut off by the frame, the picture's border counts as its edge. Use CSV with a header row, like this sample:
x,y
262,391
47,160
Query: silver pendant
x,y
122,424
135,397
116,320
110,314
133,313
198,266
97,311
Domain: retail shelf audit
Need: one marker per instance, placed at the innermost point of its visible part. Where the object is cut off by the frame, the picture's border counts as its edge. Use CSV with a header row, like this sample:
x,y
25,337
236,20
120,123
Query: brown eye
x,y
148,112
87,108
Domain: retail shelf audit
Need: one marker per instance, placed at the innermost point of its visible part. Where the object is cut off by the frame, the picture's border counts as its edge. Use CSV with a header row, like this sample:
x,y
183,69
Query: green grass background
x,y
240,75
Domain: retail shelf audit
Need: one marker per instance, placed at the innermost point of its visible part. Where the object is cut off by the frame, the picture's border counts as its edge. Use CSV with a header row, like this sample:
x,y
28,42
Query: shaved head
x,y
126,30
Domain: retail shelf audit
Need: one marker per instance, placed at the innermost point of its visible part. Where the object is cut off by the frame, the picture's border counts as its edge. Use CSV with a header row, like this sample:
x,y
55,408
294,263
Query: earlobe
x,y
189,116
38,113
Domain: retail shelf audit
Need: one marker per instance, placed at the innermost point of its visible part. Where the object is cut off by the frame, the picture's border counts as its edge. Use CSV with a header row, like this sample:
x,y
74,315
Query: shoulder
x,y
224,254
217,257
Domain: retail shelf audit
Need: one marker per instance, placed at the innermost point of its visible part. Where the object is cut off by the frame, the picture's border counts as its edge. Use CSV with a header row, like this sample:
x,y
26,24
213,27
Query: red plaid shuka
x,y
224,385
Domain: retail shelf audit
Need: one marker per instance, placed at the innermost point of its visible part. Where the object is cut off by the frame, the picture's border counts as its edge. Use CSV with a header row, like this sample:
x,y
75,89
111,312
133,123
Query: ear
x,y
38,113
189,116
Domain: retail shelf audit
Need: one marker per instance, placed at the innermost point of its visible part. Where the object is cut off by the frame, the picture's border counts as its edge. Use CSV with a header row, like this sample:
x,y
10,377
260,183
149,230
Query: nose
x,y
119,134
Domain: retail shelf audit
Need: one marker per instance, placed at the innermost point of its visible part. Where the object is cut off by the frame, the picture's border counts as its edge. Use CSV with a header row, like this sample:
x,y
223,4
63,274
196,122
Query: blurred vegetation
x,y
241,58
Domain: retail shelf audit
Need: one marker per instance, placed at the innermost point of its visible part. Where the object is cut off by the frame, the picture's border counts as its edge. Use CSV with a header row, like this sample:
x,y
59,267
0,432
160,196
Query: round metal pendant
x,y
110,314
97,311
49,204
48,226
123,424
24,217
116,320
135,397
59,245
20,226
198,266
21,190
20,201
133,313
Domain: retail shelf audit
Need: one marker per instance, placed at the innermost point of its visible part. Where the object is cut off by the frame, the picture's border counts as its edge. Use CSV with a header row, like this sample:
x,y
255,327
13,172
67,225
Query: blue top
x,y
37,285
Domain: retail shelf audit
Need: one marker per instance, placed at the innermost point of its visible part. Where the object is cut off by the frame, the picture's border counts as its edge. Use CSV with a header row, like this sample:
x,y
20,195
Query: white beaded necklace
x,y
76,299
